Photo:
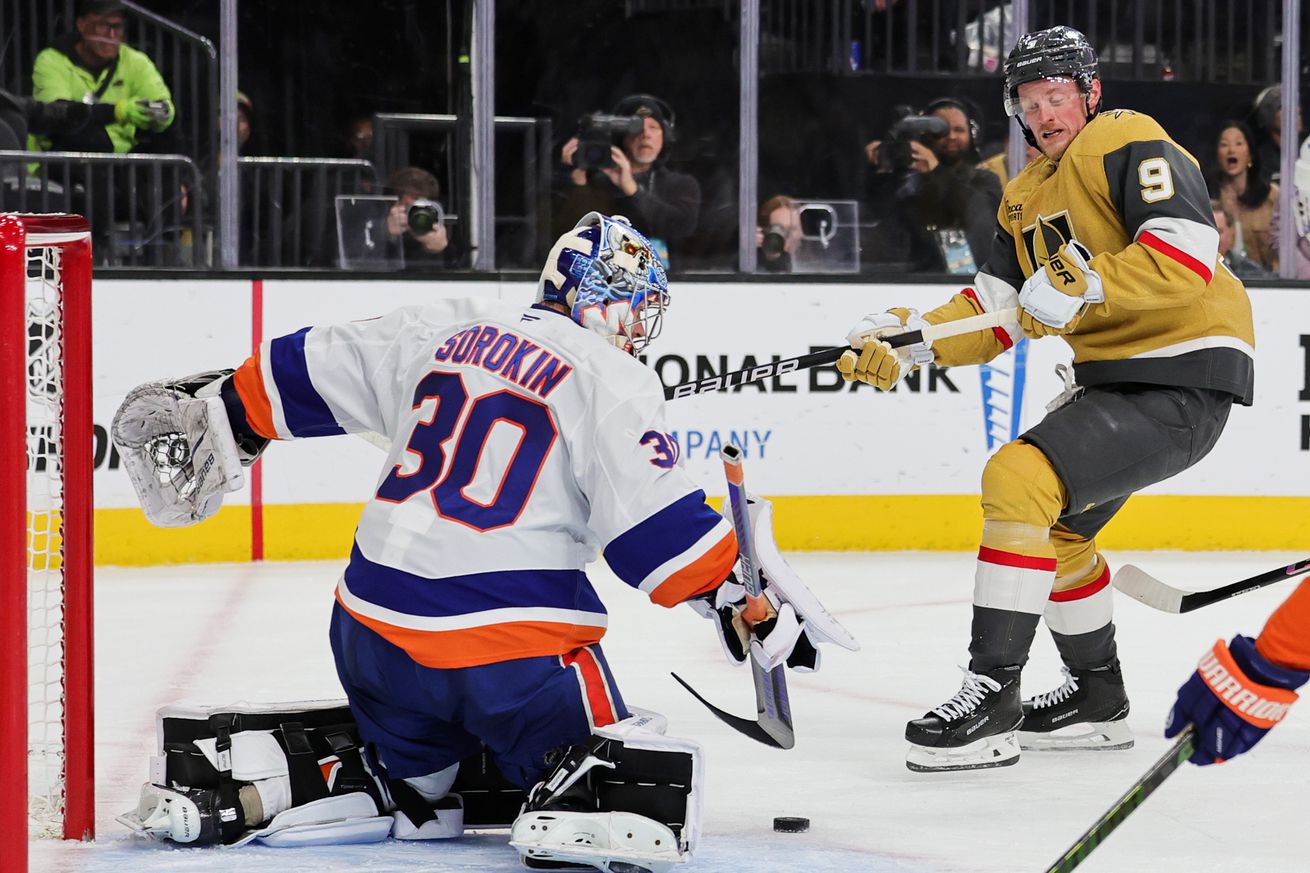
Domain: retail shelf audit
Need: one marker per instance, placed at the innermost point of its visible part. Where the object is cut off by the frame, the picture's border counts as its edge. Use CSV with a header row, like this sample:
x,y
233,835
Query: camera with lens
x,y
158,109
423,216
598,133
896,154
775,241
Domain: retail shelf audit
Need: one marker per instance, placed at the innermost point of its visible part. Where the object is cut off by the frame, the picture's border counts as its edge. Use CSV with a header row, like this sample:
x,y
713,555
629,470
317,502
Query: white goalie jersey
x,y
521,444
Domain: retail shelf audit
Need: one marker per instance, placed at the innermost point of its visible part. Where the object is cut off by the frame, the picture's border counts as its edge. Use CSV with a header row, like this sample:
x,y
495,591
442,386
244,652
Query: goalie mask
x,y
609,277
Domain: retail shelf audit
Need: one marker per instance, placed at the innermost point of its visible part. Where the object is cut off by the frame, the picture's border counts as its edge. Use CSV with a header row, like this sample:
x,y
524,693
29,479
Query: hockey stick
x,y
772,724
1142,586
1178,753
930,333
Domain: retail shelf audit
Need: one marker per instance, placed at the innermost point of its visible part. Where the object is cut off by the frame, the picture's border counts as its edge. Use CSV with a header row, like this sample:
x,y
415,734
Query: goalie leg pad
x,y
627,796
489,799
269,769
342,819
293,774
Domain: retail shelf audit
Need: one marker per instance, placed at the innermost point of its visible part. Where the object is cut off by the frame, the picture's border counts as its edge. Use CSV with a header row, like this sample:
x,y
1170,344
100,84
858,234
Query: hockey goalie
x,y
466,635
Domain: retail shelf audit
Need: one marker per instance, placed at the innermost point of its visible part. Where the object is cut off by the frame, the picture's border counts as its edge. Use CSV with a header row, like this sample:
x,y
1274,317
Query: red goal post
x,y
46,558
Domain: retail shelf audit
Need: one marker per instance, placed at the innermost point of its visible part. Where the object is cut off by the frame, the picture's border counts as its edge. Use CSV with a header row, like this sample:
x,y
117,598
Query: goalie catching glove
x,y
179,450
796,621
1055,298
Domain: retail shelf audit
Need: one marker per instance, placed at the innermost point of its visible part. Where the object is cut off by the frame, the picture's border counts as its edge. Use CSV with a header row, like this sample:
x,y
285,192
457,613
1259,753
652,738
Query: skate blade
x,y
1093,736
1001,750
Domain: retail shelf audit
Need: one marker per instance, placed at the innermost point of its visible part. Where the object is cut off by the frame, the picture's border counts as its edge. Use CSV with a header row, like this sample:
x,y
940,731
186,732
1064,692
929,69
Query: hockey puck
x,y
791,824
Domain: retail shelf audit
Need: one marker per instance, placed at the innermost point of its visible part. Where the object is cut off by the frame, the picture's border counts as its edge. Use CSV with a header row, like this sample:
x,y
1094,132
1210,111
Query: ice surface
x,y
219,633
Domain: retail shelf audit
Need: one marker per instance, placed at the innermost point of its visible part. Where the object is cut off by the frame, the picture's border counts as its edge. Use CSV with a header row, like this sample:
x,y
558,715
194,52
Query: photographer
x,y
931,192
416,221
777,234
92,66
616,164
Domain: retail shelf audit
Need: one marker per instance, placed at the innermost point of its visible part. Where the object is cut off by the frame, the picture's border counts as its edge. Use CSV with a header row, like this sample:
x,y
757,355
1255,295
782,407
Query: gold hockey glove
x,y
874,361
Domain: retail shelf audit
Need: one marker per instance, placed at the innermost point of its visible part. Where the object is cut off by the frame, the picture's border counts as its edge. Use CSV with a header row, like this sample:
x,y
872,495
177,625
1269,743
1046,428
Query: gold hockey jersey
x,y
1174,314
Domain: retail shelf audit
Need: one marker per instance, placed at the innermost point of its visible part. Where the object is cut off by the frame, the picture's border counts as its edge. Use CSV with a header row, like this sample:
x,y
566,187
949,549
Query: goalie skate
x,y
617,842
973,730
1088,712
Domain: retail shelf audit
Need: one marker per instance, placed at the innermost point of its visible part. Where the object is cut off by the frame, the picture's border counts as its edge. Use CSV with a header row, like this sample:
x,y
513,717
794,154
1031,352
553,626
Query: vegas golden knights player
x,y
1107,241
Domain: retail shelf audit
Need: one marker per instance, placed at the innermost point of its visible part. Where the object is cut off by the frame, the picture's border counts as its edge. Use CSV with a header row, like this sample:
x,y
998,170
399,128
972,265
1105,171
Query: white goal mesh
x,y
45,559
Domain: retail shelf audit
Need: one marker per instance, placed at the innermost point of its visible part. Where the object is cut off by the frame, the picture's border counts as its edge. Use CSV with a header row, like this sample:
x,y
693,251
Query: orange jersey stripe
x,y
701,575
1286,638
489,644
600,709
249,382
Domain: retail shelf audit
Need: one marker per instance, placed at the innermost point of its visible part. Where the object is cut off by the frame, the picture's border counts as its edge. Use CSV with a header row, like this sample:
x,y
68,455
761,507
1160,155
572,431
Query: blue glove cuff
x,y
1262,670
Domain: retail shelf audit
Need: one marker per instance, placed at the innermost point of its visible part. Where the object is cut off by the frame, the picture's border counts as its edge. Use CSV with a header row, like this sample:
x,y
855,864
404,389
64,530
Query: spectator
x,y
777,233
1240,184
245,111
1242,266
1300,216
660,202
251,248
412,185
359,138
92,65
937,191
1268,111
13,122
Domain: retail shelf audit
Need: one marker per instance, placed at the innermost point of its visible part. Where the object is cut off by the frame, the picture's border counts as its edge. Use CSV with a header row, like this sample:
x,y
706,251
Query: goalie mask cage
x,y
46,448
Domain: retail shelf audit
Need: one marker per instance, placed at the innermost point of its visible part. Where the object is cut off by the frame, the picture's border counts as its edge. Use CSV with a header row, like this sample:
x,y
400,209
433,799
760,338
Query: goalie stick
x,y
1177,755
930,333
772,724
1142,586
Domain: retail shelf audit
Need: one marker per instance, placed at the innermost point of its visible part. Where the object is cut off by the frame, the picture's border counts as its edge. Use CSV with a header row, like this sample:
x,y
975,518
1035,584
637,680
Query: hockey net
x,y
46,443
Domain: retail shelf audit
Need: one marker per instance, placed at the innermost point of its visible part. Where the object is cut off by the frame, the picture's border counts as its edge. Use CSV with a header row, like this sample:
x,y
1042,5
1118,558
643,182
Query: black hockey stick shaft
x,y
749,727
1177,755
1198,599
824,357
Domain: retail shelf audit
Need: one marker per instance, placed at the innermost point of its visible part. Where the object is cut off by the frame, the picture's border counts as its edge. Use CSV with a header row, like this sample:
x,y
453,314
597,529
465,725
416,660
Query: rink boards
x,y
847,469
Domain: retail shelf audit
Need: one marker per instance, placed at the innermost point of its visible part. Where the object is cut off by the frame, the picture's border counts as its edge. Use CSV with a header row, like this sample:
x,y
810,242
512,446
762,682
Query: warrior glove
x,y
1235,696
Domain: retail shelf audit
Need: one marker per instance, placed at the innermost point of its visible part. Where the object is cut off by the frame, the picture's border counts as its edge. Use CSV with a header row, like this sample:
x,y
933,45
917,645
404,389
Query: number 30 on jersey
x,y
431,440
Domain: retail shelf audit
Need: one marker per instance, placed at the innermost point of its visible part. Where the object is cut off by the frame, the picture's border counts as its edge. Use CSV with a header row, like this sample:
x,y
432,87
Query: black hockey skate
x,y
972,730
1088,711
